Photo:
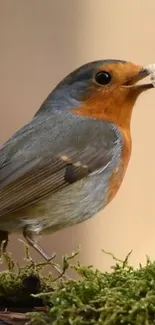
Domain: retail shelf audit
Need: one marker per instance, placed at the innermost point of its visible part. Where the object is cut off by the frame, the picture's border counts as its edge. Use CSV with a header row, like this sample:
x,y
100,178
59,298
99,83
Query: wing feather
x,y
24,184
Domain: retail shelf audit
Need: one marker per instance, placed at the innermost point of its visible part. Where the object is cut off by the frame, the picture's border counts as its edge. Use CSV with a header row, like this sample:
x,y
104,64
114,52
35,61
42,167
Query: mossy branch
x,y
123,296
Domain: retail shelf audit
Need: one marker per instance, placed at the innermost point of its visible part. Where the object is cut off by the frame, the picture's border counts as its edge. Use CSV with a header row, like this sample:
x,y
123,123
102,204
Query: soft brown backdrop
x,y
43,40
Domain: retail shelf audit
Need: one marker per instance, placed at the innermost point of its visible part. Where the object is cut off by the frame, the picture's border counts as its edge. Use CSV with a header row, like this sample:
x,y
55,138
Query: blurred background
x,y
42,41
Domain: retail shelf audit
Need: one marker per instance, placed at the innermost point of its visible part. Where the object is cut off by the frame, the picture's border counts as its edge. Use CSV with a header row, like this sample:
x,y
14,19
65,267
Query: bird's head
x,y
105,90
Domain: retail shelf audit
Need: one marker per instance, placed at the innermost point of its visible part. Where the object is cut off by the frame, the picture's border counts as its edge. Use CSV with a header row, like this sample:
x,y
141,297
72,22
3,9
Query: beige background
x,y
43,40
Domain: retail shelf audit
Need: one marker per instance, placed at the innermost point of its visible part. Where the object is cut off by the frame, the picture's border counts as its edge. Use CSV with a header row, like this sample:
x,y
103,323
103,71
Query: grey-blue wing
x,y
73,152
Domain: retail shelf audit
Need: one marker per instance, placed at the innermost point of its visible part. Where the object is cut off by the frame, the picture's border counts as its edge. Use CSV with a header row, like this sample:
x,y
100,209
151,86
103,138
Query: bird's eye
x,y
103,78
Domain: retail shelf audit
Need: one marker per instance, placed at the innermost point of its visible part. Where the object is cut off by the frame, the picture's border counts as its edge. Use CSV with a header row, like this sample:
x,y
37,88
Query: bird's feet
x,y
30,240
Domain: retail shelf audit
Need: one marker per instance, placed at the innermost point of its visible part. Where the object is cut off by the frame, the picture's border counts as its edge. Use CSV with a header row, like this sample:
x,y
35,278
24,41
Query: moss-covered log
x,y
123,296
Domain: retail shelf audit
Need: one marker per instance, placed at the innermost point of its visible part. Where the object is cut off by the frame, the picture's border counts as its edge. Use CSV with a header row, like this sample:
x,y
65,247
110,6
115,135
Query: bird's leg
x,y
4,238
29,238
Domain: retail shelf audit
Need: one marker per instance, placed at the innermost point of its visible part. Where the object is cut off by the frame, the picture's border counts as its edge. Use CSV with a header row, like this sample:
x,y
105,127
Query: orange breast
x,y
119,173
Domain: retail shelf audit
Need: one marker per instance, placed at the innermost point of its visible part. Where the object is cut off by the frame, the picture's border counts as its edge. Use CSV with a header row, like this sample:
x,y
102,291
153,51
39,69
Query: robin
x,y
69,161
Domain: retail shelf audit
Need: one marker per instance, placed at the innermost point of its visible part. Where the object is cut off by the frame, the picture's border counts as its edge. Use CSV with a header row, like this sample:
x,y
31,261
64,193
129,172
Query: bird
x,y
69,161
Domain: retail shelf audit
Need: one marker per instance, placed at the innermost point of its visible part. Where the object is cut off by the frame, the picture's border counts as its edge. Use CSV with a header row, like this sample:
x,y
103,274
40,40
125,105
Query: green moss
x,y
124,296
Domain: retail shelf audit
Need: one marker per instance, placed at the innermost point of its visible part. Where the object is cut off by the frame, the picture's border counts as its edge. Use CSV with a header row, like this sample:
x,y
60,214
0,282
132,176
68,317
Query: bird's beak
x,y
143,73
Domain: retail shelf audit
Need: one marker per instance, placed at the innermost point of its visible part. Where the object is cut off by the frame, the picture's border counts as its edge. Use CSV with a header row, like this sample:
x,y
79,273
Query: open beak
x,y
132,82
